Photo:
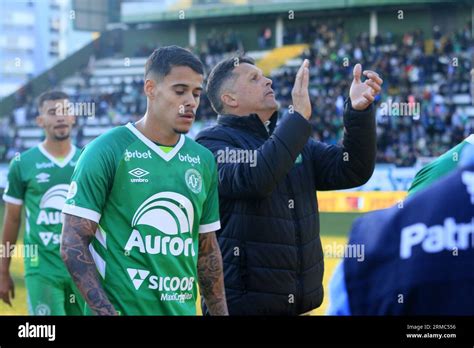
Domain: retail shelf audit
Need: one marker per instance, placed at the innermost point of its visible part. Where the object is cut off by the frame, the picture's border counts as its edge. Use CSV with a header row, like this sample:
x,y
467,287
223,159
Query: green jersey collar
x,y
60,164
166,156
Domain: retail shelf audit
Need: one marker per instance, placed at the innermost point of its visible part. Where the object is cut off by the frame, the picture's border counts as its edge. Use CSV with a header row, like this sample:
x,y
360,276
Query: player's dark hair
x,y
51,95
222,72
163,59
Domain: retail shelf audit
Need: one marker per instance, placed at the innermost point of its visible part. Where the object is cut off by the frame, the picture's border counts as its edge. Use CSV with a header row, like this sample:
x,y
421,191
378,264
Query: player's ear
x,y
72,119
229,100
149,88
40,121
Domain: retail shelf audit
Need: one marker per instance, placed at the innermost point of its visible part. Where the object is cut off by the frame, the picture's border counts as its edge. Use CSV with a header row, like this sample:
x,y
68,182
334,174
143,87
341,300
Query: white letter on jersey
x,y
411,236
434,241
135,240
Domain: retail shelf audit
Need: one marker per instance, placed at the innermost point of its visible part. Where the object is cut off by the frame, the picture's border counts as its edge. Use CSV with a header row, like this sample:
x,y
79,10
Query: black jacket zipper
x,y
299,283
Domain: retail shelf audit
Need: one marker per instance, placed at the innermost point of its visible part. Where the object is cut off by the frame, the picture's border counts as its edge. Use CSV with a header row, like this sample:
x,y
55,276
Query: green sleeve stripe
x,y
98,260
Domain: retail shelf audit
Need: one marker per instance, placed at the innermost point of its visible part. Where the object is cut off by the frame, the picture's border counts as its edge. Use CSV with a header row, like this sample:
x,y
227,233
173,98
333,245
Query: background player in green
x,y
39,180
441,166
143,205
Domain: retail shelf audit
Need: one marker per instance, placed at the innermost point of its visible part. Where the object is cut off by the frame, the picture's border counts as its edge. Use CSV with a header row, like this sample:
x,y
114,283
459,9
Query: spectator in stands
x,y
410,67
265,38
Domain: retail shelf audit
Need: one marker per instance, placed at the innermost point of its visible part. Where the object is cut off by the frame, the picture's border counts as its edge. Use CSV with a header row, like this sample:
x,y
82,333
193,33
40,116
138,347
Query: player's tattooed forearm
x,y
76,237
211,275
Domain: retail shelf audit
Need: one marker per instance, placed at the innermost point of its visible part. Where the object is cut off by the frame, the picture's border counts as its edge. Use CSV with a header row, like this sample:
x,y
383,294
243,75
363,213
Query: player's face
x,y
252,90
177,97
54,118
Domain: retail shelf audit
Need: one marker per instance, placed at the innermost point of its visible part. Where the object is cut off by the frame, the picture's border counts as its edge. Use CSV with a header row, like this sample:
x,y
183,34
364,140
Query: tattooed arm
x,y
211,275
76,237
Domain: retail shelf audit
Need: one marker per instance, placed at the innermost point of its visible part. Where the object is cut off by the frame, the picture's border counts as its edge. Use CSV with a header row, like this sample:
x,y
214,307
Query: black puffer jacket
x,y
270,243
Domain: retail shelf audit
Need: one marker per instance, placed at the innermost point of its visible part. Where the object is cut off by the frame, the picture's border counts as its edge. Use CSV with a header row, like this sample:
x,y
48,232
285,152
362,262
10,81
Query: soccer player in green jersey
x,y
143,206
441,166
38,179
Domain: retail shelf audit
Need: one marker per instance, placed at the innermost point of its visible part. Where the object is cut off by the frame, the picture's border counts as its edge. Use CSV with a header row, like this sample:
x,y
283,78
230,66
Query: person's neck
x,y
57,148
153,131
265,115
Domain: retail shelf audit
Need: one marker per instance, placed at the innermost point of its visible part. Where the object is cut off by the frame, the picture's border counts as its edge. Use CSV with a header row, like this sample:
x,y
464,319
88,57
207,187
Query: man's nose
x,y
190,102
268,82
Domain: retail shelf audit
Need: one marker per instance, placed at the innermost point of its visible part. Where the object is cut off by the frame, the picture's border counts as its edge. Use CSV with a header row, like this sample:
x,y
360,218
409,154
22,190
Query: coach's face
x,y
252,91
55,119
176,97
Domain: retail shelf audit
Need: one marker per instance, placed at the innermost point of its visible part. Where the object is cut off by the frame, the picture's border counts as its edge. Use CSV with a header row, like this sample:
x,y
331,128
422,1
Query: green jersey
x,y
150,206
40,182
441,166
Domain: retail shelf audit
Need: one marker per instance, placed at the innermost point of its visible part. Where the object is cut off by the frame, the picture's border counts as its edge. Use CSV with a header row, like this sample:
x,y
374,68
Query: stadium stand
x,y
432,72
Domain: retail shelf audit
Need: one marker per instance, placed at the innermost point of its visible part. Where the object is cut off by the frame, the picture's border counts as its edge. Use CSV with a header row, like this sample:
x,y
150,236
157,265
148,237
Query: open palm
x,y
362,94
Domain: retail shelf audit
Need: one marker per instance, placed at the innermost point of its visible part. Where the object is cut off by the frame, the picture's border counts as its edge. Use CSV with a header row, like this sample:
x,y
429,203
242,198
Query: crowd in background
x,y
414,69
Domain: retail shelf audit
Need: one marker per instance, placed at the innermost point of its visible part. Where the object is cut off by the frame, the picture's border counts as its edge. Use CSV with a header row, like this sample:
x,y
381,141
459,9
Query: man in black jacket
x,y
268,178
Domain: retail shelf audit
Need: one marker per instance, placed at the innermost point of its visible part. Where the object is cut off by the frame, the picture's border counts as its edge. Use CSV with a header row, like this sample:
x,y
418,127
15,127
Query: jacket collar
x,y
250,123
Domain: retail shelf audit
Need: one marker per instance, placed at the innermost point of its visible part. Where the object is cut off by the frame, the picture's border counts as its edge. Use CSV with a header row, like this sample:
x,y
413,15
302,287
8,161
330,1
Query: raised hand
x,y
362,94
300,94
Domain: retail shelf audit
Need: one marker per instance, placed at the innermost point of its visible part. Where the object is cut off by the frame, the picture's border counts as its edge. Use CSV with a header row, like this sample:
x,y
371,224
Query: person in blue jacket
x,y
419,257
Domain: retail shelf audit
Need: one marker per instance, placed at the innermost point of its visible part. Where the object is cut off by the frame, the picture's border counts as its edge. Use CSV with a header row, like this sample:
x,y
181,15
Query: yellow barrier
x,y
279,56
358,201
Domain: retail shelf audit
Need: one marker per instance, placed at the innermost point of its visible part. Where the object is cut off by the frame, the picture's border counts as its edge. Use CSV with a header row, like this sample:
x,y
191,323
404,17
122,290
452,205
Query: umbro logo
x,y
42,177
137,276
138,173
